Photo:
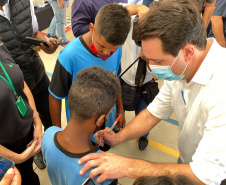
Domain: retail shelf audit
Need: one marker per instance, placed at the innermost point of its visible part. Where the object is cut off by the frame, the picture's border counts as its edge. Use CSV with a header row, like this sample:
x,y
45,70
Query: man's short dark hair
x,y
113,23
175,22
93,93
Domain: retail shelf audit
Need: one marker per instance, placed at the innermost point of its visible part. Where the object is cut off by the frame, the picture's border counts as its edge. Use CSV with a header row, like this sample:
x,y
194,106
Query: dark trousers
x,y
42,103
29,177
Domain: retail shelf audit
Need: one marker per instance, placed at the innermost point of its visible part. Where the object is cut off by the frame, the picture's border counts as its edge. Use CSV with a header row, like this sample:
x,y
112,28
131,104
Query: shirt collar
x,y
206,70
1,13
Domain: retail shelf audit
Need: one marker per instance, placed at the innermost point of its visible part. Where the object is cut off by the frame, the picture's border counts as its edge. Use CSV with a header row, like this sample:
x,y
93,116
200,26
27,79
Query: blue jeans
x,y
147,2
58,21
141,106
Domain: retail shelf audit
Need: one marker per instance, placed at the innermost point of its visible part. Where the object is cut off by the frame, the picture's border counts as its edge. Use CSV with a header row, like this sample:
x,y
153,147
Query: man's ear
x,y
189,52
91,27
100,120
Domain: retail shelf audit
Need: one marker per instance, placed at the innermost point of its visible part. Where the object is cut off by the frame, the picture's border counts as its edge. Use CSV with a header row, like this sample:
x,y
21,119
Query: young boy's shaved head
x,y
113,23
93,93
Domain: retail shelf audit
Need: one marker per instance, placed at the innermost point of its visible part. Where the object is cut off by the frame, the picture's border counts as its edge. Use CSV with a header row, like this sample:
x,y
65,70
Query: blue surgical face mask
x,y
166,73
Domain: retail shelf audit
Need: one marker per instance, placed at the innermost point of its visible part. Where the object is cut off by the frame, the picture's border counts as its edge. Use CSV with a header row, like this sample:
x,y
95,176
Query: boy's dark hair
x,y
165,180
93,93
199,4
113,23
175,22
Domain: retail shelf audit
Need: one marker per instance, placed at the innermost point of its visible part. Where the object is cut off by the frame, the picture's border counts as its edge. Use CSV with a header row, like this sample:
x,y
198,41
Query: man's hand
x,y
12,177
53,45
61,3
110,138
142,10
108,166
134,9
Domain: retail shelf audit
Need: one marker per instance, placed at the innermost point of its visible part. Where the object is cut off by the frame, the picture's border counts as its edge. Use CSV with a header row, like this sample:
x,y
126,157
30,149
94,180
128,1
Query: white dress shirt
x,y
6,13
201,113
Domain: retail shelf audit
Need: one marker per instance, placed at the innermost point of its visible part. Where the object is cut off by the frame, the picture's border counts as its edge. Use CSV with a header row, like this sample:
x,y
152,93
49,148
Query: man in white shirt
x,y
174,41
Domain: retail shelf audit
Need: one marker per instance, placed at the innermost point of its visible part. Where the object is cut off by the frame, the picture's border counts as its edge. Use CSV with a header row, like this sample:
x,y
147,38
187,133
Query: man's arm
x,y
218,29
55,110
132,131
111,166
135,129
209,8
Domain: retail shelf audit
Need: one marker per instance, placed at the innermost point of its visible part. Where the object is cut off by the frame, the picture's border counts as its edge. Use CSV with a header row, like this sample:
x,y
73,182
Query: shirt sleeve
x,y
61,81
81,17
161,107
209,161
34,19
220,9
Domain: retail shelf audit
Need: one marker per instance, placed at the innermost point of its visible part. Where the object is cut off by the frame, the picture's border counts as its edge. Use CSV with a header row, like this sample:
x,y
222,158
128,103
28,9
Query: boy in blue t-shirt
x,y
91,98
99,47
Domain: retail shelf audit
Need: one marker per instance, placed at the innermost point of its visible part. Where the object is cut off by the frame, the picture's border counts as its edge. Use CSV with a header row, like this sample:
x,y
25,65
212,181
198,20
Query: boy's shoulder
x,y
50,132
53,129
74,50
75,44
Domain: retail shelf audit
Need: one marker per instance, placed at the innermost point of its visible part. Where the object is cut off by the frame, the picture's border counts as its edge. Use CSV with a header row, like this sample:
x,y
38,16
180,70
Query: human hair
x,y
113,23
175,22
93,93
164,180
199,4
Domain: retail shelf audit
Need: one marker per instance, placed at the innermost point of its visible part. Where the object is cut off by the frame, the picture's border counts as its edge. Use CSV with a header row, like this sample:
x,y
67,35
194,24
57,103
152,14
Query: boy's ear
x,y
91,27
100,120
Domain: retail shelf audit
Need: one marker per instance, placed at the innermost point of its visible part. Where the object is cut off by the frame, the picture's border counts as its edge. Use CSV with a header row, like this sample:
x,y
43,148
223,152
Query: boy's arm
x,y
120,110
218,29
55,110
209,8
59,87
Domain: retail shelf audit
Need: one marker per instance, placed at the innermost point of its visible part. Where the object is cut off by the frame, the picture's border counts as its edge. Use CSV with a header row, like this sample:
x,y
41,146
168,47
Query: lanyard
x,y
8,80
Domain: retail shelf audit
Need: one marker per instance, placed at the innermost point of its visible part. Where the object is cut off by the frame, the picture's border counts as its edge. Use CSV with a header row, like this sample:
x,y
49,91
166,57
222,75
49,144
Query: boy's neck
x,y
75,138
87,37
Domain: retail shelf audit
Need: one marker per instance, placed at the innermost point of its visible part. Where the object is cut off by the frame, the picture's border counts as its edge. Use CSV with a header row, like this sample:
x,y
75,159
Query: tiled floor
x,y
162,139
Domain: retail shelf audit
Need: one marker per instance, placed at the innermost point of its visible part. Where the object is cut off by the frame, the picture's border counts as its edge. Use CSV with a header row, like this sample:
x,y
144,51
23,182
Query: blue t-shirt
x,y
72,59
62,165
220,10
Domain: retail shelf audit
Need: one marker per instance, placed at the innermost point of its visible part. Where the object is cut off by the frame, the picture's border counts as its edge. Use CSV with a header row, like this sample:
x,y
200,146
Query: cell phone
x,y
5,164
88,181
35,41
